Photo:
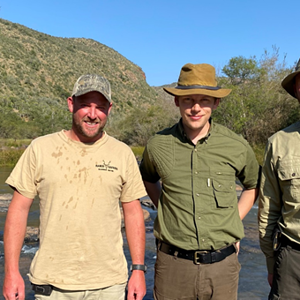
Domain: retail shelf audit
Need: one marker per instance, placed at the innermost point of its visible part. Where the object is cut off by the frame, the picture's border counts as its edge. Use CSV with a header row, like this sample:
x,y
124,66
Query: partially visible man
x,y
279,204
199,217
80,175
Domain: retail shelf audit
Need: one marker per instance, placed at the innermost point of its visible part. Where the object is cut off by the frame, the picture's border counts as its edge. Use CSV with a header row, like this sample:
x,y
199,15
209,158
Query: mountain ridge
x,y
38,71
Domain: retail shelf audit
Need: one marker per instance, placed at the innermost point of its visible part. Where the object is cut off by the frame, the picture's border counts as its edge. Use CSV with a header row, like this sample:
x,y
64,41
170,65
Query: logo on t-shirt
x,y
106,167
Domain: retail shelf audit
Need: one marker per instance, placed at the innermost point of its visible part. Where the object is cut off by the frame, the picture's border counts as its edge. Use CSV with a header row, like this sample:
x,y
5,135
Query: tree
x,y
143,123
240,69
257,106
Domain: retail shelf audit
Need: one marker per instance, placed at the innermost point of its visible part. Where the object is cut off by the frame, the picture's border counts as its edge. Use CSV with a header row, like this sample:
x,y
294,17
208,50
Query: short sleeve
x,y
133,187
147,167
250,173
23,176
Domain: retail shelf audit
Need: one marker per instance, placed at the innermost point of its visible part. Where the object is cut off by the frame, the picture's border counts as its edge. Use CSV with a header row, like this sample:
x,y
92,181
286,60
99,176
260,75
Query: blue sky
x,y
161,36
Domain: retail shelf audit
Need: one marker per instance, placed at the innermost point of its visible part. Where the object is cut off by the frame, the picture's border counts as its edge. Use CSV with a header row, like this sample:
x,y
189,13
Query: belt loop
x,y
158,244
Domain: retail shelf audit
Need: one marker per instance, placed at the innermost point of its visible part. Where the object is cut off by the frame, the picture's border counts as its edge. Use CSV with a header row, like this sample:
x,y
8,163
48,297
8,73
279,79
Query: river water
x,y
253,276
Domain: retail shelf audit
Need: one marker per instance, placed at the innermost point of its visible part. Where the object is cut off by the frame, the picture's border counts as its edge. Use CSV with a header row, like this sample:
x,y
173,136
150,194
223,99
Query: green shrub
x,y
14,143
138,151
259,151
10,157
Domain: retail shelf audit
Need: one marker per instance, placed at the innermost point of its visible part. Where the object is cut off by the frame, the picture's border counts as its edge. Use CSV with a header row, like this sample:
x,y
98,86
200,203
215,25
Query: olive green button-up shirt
x,y
279,200
198,204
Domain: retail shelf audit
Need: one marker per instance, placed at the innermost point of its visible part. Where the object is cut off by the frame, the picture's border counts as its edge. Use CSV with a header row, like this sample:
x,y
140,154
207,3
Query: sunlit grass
x,y
10,157
259,151
11,150
138,151
14,143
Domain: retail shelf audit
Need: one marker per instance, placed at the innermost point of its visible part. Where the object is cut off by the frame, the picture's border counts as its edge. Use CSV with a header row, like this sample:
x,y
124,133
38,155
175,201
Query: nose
x,y
92,113
196,106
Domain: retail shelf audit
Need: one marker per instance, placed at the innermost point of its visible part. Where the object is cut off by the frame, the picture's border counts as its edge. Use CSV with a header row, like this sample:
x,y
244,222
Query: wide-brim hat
x,y
198,79
288,82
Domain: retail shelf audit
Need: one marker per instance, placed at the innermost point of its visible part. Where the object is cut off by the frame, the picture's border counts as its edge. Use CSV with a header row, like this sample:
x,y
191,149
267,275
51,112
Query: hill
x,y
37,73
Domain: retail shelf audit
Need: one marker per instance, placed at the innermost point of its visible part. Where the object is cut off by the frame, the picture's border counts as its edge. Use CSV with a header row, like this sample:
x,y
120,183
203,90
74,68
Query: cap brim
x,y
83,92
288,84
213,93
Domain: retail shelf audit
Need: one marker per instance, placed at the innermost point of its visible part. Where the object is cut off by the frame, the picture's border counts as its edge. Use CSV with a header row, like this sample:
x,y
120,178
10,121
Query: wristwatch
x,y
138,267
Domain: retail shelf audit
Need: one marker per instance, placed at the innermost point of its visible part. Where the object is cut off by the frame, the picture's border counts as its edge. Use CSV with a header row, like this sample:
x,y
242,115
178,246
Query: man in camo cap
x,y
80,176
279,204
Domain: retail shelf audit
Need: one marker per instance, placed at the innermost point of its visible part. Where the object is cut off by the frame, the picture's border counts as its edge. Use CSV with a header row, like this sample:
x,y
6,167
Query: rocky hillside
x,y
37,73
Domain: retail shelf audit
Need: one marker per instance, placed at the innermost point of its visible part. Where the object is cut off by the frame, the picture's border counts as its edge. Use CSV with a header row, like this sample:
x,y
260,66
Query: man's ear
x,y
70,104
296,93
176,101
109,109
216,104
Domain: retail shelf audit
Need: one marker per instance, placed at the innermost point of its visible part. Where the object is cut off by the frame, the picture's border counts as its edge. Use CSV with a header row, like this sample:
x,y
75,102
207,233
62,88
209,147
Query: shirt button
x,y
199,218
195,150
197,195
293,174
196,172
203,240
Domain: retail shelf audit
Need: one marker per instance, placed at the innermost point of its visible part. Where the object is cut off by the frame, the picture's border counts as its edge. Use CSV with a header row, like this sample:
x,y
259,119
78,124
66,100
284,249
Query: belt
x,y
287,242
198,256
42,289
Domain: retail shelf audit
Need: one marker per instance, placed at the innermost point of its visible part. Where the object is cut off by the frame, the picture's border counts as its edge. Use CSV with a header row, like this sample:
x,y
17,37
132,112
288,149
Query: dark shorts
x,y
178,278
286,277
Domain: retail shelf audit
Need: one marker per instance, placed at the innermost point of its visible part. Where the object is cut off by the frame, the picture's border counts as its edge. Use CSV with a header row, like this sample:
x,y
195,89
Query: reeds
x,y
11,150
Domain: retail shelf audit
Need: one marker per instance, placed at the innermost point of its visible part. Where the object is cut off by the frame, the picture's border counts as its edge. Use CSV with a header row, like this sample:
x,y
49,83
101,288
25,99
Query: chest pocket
x,y
289,176
224,193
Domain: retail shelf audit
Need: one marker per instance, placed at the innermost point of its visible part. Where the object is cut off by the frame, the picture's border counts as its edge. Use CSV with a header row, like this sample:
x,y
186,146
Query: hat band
x,y
187,87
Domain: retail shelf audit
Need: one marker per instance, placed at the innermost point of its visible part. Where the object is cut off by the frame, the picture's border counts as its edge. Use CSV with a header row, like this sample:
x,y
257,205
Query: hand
x,y
136,285
13,287
237,246
270,279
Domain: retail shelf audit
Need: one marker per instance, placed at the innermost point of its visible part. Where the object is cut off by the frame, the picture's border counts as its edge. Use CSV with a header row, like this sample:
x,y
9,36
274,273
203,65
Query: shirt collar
x,y
185,137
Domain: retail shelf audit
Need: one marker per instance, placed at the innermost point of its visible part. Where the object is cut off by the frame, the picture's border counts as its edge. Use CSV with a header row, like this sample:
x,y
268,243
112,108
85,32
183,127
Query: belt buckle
x,y
197,256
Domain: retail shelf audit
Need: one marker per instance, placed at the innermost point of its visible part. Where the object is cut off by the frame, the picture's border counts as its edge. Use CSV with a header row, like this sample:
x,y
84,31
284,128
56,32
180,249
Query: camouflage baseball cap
x,y
92,82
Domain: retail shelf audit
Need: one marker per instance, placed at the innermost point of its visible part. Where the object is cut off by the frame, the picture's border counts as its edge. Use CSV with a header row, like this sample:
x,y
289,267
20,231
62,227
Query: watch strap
x,y
138,267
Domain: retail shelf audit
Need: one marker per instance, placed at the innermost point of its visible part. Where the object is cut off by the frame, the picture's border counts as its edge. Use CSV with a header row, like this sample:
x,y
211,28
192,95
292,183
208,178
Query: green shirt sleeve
x,y
147,167
249,174
269,206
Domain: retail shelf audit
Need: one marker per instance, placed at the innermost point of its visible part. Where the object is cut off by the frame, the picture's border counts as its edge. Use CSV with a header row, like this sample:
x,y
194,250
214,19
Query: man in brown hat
x,y
198,222
80,175
279,204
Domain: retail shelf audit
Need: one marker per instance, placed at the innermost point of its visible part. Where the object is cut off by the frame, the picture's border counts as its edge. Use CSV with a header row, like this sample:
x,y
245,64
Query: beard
x,y
86,133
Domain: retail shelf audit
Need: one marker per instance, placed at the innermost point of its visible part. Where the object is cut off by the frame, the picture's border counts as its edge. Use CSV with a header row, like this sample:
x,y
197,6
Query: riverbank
x,y
11,150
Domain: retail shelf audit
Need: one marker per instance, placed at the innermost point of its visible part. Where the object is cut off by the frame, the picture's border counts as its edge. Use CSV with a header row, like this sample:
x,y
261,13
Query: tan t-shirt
x,y
79,186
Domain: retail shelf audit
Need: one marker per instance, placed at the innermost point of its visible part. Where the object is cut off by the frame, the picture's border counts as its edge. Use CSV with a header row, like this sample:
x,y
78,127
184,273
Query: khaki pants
x,y
116,292
177,278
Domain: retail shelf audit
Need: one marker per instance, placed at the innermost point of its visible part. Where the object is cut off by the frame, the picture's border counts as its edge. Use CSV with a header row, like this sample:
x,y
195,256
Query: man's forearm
x,y
153,191
14,233
246,201
135,233
135,230
15,229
